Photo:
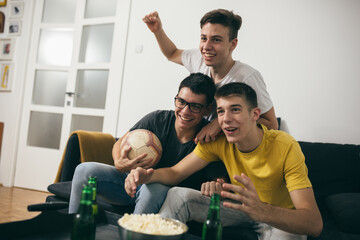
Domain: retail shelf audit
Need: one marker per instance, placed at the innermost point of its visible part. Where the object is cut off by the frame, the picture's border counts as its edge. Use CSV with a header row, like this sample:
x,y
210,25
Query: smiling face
x,y
185,119
235,119
215,47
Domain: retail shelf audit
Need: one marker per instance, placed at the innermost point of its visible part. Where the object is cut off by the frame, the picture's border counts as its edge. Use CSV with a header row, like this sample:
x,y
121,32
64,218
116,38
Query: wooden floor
x,y
14,202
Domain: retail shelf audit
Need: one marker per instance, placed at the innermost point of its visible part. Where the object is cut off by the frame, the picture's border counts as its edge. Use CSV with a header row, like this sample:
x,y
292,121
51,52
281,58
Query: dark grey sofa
x,y
334,170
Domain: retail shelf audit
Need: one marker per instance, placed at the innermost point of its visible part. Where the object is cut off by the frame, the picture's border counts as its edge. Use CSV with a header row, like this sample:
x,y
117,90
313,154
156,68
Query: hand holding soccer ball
x,y
143,141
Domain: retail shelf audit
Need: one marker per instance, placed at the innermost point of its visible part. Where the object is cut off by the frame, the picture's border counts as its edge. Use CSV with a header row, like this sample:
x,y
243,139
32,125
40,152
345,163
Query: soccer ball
x,y
143,141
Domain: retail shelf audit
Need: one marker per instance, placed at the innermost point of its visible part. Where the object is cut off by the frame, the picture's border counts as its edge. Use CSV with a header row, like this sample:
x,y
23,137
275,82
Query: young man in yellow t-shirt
x,y
269,191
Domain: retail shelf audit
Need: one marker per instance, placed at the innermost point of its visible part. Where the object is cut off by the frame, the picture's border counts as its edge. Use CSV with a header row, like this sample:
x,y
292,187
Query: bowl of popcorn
x,y
150,226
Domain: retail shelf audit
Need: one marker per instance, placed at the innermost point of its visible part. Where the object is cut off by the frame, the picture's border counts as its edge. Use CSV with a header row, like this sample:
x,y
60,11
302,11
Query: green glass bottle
x,y
84,221
93,184
212,229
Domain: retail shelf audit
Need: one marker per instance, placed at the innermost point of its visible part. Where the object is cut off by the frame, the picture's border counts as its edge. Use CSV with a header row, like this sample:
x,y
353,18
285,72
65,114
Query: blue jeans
x,y
148,198
185,204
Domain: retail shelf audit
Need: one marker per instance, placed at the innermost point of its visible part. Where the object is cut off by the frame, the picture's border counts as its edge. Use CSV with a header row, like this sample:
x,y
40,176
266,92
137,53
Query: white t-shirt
x,y
240,72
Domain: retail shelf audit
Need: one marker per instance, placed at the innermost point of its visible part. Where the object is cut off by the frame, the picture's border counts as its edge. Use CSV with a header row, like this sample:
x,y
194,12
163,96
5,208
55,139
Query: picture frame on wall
x,y
3,3
5,76
14,27
7,47
16,9
2,22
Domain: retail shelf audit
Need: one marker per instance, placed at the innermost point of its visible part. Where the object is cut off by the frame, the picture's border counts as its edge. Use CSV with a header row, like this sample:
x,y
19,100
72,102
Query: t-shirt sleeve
x,y
295,170
206,152
256,81
147,122
191,60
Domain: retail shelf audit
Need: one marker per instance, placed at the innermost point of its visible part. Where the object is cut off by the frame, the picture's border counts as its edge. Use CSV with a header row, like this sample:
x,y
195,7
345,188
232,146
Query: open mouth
x,y
230,130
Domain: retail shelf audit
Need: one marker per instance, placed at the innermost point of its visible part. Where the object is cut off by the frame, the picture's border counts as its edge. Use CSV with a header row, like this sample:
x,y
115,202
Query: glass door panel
x,y
50,88
103,8
87,123
55,47
44,130
91,88
56,11
96,43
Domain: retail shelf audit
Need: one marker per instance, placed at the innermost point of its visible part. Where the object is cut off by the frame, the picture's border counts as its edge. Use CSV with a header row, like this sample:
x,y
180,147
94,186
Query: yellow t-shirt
x,y
276,166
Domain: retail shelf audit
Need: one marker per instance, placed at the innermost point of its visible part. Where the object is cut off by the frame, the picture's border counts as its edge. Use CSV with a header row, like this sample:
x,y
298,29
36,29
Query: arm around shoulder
x,y
269,119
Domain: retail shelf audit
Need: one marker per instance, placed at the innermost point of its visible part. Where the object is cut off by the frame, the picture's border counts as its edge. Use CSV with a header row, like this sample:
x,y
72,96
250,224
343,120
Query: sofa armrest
x,y
88,147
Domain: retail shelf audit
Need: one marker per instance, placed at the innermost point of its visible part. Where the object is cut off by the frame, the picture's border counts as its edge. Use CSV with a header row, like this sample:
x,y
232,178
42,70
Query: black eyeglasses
x,y
194,107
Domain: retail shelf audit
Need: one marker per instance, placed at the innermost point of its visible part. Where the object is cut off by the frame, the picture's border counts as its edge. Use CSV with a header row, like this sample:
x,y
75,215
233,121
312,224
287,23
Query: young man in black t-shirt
x,y
176,131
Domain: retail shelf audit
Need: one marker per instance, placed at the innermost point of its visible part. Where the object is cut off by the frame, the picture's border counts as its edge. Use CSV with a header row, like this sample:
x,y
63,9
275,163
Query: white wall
x,y
307,51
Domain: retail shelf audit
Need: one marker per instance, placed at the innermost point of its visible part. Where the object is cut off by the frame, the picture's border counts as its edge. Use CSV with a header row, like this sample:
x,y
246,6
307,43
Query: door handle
x,y
70,94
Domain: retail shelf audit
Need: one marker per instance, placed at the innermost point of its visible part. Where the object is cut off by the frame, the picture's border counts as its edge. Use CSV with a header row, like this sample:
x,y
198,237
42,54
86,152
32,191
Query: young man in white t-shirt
x,y
218,40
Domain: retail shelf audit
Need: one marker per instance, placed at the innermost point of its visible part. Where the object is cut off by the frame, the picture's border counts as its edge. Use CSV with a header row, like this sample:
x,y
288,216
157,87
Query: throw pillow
x,y
345,208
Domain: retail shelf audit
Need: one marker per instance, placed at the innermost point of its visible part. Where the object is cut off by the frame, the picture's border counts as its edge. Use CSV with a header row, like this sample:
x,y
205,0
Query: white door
x,y
73,81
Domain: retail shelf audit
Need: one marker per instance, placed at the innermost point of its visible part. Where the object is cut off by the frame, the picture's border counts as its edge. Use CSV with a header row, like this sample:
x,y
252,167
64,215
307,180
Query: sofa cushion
x,y
345,208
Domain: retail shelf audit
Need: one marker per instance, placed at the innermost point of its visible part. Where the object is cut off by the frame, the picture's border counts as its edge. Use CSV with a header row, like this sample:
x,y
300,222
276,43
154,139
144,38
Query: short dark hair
x,y
224,17
239,89
200,84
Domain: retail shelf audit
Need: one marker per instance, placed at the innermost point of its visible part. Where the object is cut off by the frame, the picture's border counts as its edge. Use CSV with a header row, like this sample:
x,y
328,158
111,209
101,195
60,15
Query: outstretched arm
x,y
168,48
305,219
168,176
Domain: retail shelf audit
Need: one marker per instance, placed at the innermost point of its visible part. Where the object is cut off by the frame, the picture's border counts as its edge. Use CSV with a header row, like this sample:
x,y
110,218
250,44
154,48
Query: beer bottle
x,y
212,229
84,220
93,184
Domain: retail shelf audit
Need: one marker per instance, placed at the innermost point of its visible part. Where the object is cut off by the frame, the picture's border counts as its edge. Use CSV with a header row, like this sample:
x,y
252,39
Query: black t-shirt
x,y
162,124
